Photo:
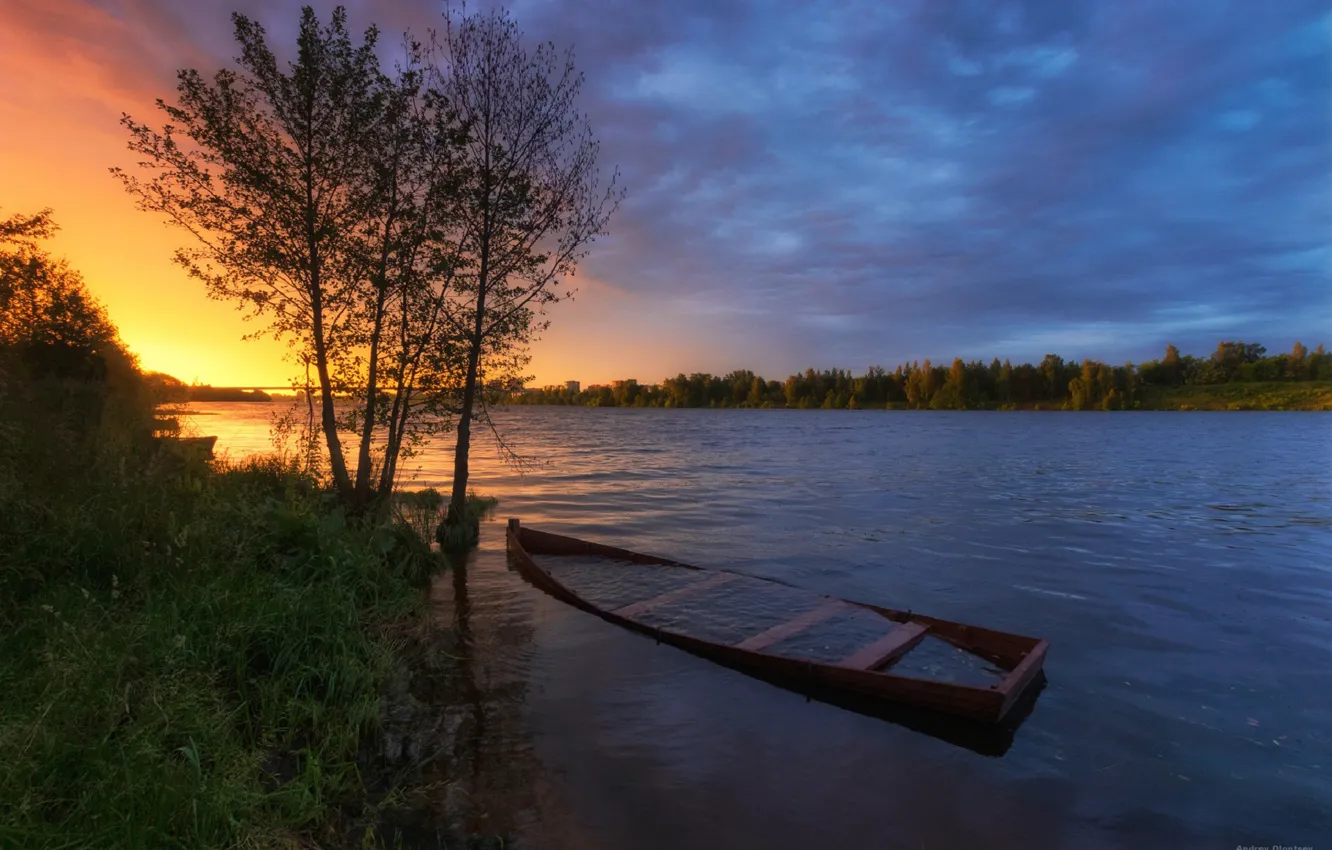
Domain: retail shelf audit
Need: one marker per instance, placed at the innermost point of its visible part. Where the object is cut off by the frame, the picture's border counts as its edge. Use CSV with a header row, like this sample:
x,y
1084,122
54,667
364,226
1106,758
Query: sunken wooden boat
x,y
794,637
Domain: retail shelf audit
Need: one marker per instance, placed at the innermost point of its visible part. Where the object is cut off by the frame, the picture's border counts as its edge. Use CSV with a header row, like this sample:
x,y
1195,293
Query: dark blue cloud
x,y
879,180
844,183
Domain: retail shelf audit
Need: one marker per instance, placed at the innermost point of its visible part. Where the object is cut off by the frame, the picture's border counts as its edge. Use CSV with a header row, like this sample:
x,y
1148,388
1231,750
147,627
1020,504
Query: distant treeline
x,y
965,385
171,389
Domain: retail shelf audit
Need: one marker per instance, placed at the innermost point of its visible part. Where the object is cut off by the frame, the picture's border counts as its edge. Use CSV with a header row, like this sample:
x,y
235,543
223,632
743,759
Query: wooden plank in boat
x,y
712,581
886,648
782,631
1022,656
1020,676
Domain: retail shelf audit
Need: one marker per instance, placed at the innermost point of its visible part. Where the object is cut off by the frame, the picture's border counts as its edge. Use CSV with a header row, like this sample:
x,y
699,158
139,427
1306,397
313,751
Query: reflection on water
x,y
459,718
1177,563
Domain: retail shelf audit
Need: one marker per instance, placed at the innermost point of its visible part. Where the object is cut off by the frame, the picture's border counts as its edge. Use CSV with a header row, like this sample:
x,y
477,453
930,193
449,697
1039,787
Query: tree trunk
x,y
362,494
457,513
458,498
393,441
336,462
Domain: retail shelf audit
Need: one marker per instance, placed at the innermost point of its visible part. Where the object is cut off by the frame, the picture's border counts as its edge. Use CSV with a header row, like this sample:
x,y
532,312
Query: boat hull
x,y
1022,658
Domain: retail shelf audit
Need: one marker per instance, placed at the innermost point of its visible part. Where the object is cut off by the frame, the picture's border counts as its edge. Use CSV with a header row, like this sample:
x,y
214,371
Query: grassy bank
x,y
193,660
1267,395
189,657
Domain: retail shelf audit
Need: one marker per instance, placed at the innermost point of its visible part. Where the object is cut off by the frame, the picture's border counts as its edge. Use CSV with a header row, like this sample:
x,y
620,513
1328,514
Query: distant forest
x,y
173,390
965,385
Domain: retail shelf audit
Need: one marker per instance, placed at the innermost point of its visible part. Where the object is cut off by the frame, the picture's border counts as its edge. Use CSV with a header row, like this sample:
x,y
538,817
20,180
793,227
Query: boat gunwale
x,y
1021,657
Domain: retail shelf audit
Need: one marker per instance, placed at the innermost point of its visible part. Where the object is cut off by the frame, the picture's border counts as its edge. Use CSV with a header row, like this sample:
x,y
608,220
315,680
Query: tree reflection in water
x,y
457,724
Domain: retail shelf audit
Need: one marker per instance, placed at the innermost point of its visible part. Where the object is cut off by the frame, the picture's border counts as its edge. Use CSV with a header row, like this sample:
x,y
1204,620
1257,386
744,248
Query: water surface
x,y
1178,563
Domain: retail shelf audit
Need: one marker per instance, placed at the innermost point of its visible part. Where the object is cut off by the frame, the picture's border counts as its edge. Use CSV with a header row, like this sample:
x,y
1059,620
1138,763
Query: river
x,y
1179,564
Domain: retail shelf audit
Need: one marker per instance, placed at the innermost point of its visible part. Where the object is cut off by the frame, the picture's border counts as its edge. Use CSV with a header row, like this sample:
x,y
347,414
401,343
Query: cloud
x,y
840,184
980,178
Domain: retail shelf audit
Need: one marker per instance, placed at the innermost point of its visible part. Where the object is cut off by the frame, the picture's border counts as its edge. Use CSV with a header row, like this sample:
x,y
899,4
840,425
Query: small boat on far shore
x,y
854,652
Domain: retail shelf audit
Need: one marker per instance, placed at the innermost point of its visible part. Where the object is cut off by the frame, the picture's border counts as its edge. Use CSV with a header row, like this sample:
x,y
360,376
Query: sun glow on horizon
x,y
61,161
59,156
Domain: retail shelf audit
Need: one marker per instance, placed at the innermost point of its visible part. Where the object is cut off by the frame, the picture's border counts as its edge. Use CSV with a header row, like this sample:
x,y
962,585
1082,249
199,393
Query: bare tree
x,y
529,202
320,195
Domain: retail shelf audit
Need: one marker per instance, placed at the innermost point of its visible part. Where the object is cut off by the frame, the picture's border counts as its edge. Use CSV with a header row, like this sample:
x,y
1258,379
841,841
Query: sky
x,y
808,183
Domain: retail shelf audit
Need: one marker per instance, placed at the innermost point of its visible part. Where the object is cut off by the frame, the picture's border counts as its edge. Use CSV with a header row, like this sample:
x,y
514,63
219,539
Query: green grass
x,y
1269,395
218,693
188,657
422,511
461,536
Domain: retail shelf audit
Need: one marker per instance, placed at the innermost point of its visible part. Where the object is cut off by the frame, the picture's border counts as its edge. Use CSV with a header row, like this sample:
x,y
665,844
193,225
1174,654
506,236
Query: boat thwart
x,y
794,636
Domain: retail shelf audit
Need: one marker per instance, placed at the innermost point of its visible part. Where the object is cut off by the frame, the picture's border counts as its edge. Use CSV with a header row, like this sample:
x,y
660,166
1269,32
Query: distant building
x,y
573,386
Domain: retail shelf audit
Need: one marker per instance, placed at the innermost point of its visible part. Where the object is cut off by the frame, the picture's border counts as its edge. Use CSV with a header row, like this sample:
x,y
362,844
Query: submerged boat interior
x,y
961,683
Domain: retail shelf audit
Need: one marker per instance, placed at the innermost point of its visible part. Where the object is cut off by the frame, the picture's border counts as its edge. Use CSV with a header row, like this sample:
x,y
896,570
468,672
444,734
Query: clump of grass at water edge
x,y
192,658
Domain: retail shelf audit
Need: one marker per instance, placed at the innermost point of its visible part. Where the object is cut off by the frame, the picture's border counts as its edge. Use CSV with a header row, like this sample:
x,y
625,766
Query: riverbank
x,y
1267,395
192,654
195,660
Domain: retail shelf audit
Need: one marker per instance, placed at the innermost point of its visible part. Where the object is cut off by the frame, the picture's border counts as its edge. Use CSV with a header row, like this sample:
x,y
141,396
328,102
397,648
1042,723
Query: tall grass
x,y
189,657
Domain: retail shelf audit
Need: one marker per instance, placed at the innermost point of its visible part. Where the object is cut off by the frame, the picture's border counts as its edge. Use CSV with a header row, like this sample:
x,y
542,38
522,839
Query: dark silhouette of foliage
x,y
403,231
49,322
528,204
71,393
320,195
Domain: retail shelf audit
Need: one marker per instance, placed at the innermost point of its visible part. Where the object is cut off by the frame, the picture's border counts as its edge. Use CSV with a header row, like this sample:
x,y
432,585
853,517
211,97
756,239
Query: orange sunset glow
x,y
70,69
